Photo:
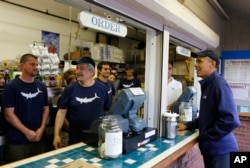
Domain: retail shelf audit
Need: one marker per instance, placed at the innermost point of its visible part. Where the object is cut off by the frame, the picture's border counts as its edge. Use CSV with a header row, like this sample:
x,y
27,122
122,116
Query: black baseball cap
x,y
207,53
82,60
129,66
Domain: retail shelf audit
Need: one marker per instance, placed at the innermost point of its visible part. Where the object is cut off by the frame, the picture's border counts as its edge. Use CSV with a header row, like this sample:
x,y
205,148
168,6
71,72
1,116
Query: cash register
x,y
135,131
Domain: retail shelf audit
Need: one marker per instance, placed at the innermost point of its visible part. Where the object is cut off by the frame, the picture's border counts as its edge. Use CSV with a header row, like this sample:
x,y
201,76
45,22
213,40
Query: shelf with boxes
x,y
98,51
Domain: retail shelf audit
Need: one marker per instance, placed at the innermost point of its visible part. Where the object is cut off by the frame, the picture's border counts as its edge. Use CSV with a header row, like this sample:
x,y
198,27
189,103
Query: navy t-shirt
x,y
110,87
84,105
125,83
28,100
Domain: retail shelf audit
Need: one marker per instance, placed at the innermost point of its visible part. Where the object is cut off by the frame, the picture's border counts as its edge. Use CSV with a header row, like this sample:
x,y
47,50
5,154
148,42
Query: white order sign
x,y
102,24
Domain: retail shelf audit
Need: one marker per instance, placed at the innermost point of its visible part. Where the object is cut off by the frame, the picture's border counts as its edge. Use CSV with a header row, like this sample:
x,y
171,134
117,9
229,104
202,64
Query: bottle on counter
x,y
185,112
110,138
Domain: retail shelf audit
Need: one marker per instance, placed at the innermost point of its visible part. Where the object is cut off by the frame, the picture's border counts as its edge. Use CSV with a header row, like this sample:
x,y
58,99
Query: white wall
x,y
19,27
206,13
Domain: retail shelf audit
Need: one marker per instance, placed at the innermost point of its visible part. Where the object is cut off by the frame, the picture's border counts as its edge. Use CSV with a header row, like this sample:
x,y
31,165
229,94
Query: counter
x,y
158,153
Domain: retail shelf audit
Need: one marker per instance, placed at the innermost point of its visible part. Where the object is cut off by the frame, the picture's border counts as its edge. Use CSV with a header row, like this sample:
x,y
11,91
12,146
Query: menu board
x,y
236,72
240,91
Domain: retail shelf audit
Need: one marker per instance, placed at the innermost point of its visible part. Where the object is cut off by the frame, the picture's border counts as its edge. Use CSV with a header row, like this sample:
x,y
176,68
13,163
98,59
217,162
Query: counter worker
x,y
82,101
112,78
103,72
114,71
26,110
218,116
174,88
129,80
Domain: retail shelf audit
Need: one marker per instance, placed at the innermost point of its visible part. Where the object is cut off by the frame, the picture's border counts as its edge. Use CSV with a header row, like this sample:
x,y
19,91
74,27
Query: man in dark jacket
x,y
218,115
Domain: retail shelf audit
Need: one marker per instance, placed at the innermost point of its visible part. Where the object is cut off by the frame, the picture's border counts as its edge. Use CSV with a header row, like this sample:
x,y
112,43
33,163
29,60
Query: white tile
x,y
130,161
68,160
54,161
51,166
142,149
150,145
95,159
89,149
153,149
167,141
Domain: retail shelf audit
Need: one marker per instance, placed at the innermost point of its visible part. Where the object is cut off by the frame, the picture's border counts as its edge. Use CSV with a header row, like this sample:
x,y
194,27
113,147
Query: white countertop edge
x,y
160,157
41,156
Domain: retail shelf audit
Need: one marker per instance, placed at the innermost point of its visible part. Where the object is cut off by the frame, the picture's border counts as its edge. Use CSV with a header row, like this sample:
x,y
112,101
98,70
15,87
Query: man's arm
x,y
60,117
15,122
45,117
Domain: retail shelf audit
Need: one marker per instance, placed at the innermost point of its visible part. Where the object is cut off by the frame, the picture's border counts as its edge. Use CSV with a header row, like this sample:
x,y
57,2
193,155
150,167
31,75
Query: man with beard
x,y
26,110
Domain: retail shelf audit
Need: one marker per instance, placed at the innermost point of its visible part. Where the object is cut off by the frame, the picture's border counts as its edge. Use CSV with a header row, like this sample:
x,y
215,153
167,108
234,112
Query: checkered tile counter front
x,y
145,156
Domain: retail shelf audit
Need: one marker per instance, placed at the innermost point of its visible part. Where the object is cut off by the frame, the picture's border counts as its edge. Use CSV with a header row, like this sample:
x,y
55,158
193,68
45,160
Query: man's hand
x,y
39,133
57,142
181,127
31,135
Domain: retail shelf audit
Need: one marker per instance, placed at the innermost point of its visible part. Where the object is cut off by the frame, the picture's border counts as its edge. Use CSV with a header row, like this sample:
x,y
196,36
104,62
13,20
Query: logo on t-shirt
x,y
128,86
31,95
86,100
110,91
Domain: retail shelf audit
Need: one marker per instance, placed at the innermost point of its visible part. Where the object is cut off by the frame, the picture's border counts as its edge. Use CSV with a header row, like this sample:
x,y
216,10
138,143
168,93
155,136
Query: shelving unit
x,y
133,52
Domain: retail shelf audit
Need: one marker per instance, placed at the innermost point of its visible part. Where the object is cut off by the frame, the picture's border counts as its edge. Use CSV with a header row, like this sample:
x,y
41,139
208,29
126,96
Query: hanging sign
x,y
102,24
183,51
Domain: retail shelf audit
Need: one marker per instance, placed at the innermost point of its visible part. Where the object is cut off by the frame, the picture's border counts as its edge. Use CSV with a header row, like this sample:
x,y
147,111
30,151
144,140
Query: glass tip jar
x,y
110,138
